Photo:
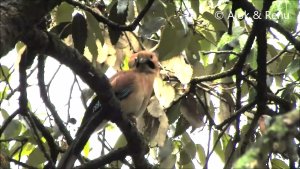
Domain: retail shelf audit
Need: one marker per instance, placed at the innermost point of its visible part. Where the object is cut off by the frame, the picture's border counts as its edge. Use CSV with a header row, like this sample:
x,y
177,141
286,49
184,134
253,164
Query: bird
x,y
132,87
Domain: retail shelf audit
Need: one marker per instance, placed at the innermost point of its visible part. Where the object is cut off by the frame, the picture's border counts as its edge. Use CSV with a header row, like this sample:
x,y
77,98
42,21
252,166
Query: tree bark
x,y
17,17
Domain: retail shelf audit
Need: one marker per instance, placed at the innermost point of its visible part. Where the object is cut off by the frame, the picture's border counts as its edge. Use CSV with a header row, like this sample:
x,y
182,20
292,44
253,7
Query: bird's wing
x,y
123,84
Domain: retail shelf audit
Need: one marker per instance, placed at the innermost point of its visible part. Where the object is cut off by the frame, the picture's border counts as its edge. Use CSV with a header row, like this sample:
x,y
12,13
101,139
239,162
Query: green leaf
x,y
232,40
174,34
13,129
189,165
151,26
251,59
195,6
86,149
166,150
93,26
4,72
4,114
121,142
173,112
252,94
181,126
285,60
188,145
216,23
63,13
79,32
193,49
284,12
184,158
279,164
192,111
209,37
293,67
218,148
288,92
36,158
169,162
228,151
258,4
190,149
201,154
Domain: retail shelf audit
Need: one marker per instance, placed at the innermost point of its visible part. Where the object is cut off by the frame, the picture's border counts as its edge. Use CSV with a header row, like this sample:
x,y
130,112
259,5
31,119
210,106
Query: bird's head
x,y
144,61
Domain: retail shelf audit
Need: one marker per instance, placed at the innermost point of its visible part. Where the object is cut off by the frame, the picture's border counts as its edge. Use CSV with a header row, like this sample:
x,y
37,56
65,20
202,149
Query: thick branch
x,y
18,17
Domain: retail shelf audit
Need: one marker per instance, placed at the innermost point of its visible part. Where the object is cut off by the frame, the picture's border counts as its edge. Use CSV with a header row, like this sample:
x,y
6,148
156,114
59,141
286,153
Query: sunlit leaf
x,y
86,149
278,164
4,73
121,142
284,12
63,13
164,92
93,26
201,154
181,69
162,130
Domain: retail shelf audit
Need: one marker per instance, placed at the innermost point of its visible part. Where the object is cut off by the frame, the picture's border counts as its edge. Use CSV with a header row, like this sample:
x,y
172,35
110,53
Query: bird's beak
x,y
146,61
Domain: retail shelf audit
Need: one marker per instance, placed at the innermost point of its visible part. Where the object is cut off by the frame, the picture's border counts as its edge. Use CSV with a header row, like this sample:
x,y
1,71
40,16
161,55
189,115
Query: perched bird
x,y
133,87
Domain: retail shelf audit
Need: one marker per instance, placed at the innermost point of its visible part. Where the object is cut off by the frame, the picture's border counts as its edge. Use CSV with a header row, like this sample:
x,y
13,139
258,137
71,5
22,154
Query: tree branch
x,y
49,44
282,131
110,23
17,18
113,155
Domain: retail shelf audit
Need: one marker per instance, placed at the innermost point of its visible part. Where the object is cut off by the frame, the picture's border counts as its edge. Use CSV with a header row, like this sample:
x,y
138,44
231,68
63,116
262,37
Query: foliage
x,y
214,99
